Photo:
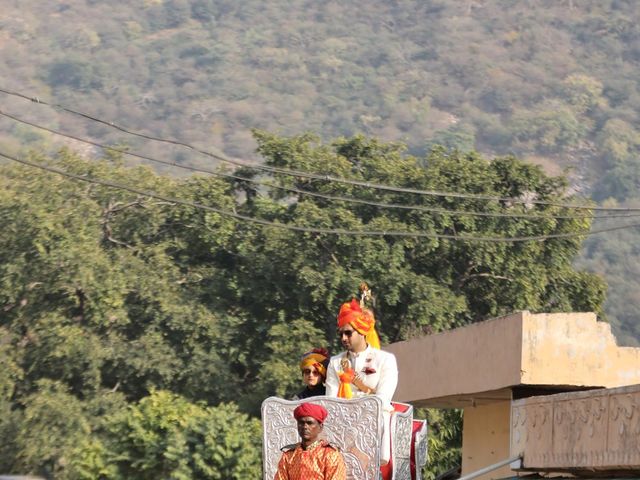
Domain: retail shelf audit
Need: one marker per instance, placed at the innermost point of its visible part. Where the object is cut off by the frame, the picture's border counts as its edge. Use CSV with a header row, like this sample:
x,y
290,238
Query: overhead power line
x,y
436,210
297,228
310,175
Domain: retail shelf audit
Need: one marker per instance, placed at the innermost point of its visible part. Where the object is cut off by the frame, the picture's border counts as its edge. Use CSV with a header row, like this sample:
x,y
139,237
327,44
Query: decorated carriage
x,y
355,427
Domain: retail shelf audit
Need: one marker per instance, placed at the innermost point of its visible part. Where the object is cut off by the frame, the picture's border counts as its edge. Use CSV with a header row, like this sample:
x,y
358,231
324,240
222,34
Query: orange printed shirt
x,y
320,461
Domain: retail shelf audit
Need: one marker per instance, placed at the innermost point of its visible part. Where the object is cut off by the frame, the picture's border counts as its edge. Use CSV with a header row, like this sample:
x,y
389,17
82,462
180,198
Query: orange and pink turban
x,y
361,320
312,410
318,358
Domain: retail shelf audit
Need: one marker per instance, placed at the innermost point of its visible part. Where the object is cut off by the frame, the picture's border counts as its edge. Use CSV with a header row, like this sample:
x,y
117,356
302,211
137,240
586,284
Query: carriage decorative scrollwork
x,y
355,426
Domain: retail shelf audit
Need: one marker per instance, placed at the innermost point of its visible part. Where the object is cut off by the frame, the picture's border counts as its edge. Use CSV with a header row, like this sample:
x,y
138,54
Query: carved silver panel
x,y
420,447
355,426
401,428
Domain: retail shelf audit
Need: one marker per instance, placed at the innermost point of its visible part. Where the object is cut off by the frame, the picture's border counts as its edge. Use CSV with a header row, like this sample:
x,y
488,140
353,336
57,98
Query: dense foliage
x,y
138,337
554,82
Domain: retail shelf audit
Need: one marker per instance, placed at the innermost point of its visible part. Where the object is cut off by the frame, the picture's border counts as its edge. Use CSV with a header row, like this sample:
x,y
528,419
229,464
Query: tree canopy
x,y
140,335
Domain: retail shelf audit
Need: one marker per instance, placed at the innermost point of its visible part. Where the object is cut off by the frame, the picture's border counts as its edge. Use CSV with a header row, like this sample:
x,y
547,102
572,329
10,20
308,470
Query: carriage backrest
x,y
354,426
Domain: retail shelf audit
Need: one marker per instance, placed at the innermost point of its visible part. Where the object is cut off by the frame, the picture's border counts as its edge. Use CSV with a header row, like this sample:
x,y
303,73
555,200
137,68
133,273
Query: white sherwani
x,y
379,371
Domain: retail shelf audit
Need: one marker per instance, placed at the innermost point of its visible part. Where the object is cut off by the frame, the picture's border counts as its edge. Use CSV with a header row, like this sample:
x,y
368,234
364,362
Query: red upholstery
x,y
417,426
386,471
400,407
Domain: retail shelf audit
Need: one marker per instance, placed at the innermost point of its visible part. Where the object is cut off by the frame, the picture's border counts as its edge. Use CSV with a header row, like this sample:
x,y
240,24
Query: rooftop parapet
x,y
516,355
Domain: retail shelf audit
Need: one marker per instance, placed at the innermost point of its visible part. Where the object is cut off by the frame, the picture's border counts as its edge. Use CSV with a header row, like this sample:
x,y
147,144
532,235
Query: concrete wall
x,y
481,362
575,349
478,358
594,430
477,368
485,438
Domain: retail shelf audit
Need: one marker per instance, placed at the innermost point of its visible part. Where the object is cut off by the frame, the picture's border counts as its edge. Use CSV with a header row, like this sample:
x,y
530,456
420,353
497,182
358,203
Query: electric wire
x,y
369,233
436,210
311,175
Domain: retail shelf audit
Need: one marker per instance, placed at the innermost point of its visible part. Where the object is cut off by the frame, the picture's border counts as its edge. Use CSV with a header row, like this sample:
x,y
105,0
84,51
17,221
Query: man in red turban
x,y
312,458
363,369
313,410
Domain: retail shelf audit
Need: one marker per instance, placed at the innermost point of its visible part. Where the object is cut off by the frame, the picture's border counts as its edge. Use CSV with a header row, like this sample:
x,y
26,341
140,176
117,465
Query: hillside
x,y
531,77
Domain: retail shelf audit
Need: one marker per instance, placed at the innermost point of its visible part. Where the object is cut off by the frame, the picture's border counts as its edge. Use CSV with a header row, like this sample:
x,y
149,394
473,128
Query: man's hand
x,y
360,385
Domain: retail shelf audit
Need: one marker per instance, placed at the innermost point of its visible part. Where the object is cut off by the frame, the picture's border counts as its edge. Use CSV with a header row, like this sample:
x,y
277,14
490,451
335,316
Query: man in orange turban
x,y
363,369
312,458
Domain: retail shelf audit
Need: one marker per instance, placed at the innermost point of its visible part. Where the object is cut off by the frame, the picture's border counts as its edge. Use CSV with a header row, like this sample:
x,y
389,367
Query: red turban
x,y
361,320
311,410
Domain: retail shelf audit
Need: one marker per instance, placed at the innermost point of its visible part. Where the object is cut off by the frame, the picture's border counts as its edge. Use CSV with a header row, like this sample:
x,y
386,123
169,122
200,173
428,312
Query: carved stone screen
x,y
589,430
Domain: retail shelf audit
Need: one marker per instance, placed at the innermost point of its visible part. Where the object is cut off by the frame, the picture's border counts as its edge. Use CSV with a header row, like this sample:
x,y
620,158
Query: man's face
x,y
309,429
351,339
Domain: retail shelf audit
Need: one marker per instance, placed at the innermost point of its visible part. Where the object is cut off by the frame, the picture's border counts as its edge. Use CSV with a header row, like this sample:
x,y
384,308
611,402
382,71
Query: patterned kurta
x,y
320,461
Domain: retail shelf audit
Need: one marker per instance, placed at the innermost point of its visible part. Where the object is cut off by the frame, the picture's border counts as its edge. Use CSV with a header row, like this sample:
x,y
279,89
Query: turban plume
x,y
312,410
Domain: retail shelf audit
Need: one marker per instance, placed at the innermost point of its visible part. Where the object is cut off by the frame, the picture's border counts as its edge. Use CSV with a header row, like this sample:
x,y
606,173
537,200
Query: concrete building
x,y
508,369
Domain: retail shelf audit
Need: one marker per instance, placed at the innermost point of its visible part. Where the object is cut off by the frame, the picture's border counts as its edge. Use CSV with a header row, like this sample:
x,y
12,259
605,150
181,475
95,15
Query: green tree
x,y
421,284
619,141
76,74
10,418
444,442
582,92
286,341
550,128
165,436
458,137
108,296
91,292
615,257
620,152
54,423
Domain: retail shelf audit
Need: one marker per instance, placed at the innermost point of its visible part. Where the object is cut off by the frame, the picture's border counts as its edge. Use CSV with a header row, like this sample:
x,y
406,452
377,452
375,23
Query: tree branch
x,y
466,278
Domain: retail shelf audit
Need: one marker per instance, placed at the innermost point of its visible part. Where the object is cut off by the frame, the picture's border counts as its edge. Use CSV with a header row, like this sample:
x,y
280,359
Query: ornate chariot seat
x,y
355,426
